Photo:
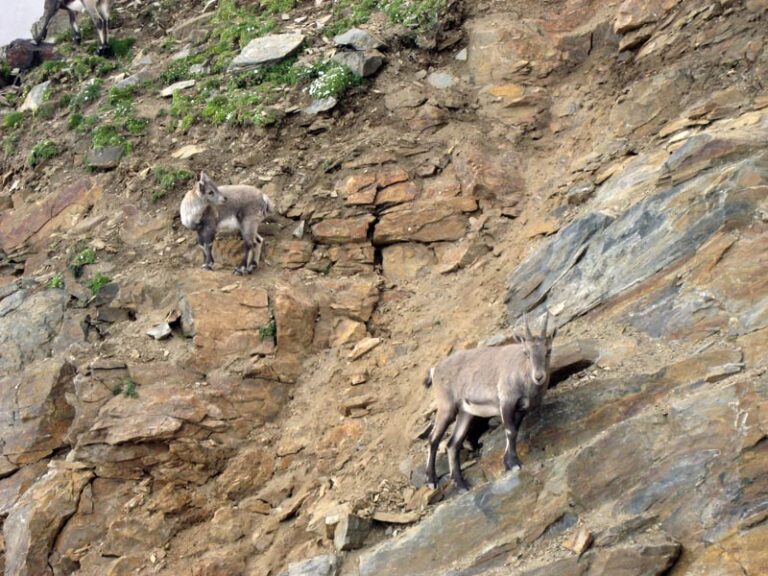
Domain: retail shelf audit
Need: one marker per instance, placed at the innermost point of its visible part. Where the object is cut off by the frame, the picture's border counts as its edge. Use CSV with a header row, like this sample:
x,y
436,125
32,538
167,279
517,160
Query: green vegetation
x,y
277,6
57,282
85,67
81,258
5,73
333,80
348,14
98,282
46,71
9,145
168,179
121,47
126,387
12,120
136,125
42,151
87,95
121,100
420,14
46,111
81,123
107,136
268,331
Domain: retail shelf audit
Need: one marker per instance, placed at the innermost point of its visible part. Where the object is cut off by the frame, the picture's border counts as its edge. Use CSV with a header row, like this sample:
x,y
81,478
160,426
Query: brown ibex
x,y
507,381
209,208
98,10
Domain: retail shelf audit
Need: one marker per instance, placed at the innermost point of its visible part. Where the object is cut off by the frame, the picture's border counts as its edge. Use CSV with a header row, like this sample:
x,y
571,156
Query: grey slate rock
x,y
326,565
106,158
363,64
266,50
359,40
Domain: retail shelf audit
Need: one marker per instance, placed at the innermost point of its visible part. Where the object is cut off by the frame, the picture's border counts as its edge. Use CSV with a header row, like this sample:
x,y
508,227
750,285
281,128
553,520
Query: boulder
x,y
168,91
27,332
35,415
25,54
155,413
425,221
22,224
598,257
295,315
363,64
351,532
36,97
634,14
266,50
107,158
35,520
342,230
225,325
59,24
359,40
326,565
407,261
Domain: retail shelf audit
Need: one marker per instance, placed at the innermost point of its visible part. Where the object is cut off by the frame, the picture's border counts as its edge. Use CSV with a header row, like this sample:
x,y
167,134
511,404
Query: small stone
x,y
441,80
579,193
580,541
355,403
351,532
359,40
106,158
160,332
183,85
461,56
319,106
298,232
188,151
396,517
359,378
133,80
363,347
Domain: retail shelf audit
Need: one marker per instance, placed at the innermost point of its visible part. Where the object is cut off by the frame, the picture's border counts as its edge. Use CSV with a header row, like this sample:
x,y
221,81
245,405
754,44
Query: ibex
x,y
98,10
209,208
507,381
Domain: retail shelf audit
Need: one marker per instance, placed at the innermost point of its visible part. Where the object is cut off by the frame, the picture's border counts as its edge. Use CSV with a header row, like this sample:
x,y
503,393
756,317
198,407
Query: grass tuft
x,y
42,151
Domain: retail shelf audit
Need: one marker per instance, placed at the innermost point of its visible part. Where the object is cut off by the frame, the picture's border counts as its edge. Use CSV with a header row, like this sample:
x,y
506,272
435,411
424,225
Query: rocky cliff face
x,y
605,161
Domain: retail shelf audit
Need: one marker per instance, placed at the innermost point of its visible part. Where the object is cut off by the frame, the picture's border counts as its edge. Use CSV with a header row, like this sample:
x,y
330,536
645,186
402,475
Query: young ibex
x,y
209,208
506,381
98,10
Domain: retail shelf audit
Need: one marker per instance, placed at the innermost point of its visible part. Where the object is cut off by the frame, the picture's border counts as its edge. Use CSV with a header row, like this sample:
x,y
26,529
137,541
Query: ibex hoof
x,y
238,271
462,487
432,485
207,266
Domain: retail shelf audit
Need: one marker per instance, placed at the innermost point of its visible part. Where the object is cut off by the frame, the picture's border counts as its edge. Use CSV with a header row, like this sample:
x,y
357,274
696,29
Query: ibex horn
x,y
527,328
546,321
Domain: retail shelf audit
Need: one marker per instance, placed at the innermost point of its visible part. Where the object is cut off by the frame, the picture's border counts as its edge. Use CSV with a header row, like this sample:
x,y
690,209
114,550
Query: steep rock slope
x,y
604,160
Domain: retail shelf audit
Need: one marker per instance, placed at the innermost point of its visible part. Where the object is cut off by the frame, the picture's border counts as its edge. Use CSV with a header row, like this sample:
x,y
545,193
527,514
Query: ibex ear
x,y
517,338
203,177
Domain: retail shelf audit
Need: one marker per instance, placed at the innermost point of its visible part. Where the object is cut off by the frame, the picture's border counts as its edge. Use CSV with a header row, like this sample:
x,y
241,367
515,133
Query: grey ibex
x,y
98,10
209,208
507,381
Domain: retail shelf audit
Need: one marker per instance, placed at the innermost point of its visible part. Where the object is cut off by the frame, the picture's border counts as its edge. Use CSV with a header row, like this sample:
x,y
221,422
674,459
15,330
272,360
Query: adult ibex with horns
x,y
507,381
